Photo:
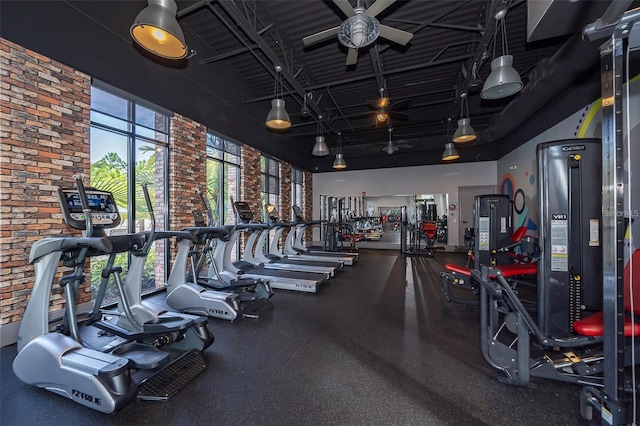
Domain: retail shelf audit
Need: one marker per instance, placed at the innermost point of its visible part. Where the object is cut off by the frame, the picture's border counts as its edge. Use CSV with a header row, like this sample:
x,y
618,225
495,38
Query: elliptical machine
x,y
252,293
102,371
187,295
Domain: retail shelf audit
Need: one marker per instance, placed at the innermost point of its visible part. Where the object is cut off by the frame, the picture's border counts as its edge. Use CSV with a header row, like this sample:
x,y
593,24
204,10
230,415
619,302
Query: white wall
x,y
518,169
437,179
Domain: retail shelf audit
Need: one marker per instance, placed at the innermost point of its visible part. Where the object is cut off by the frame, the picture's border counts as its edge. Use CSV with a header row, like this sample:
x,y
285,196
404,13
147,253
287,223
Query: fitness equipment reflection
x,y
424,228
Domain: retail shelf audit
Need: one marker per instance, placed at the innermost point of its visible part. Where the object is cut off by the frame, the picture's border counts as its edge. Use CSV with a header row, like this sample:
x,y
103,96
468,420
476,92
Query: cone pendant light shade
x,y
156,29
464,132
339,162
278,117
320,149
450,153
503,81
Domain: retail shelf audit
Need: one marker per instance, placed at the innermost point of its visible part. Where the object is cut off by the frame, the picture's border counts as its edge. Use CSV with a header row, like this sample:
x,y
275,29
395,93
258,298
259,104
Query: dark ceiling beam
x,y
191,8
478,29
241,21
226,55
438,25
439,16
428,64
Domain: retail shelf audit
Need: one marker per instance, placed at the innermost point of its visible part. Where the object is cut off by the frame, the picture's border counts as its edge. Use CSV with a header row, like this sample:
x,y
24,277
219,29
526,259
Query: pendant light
x,y
278,118
156,29
339,163
504,80
450,152
464,132
320,149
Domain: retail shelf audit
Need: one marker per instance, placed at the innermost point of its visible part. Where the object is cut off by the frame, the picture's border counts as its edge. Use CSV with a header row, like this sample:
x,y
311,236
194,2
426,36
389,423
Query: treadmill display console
x,y
104,211
298,213
244,211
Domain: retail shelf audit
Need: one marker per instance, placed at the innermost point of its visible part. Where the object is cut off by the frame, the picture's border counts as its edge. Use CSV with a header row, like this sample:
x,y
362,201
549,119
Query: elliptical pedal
x,y
165,383
257,308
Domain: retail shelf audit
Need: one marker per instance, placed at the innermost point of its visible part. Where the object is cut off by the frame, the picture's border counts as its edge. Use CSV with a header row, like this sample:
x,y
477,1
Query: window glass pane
x,y
149,164
109,121
213,195
108,103
118,160
147,118
108,156
146,132
263,164
274,167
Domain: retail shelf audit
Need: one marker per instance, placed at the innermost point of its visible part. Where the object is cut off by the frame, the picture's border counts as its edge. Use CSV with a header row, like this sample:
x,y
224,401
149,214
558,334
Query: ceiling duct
x,y
546,81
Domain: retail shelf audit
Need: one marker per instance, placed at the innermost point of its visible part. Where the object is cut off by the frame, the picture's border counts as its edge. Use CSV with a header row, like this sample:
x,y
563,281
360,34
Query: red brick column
x,y
187,171
45,140
250,169
307,209
285,192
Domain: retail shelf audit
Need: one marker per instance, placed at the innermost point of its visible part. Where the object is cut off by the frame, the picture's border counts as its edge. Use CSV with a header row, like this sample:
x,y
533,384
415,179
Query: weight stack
x,y
570,212
493,229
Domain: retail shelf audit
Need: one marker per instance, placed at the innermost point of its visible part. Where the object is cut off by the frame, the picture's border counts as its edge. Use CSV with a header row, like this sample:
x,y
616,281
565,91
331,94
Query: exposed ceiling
x,y
426,76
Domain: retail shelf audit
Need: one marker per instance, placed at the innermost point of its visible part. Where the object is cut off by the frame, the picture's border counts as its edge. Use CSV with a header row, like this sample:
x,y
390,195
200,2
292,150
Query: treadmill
x,y
258,253
294,247
288,280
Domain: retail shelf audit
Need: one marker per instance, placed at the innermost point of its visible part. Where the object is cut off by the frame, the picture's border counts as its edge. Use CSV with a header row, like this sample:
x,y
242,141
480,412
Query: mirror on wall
x,y
374,221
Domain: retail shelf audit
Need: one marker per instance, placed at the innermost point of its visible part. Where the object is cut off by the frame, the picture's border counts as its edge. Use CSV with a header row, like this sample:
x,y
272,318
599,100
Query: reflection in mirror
x,y
374,222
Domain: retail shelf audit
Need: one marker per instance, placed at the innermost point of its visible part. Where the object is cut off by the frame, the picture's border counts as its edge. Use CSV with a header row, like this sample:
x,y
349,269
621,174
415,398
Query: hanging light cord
x,y
501,30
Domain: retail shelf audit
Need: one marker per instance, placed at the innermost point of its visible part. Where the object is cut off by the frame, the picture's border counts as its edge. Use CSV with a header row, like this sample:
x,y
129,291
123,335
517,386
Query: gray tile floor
x,y
379,345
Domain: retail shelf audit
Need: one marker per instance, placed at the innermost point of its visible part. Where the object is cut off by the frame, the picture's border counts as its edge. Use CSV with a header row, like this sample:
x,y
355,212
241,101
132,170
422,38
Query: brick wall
x,y
285,192
44,126
187,169
44,133
250,188
307,209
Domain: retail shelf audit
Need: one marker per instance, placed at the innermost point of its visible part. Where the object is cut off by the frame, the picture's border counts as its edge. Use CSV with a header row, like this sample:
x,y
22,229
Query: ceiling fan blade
x,y
352,56
378,7
396,115
395,35
401,104
345,7
322,35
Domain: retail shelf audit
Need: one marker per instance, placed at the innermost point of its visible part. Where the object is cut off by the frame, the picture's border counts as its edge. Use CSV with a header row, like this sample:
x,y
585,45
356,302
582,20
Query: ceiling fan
x,y
386,109
390,147
360,29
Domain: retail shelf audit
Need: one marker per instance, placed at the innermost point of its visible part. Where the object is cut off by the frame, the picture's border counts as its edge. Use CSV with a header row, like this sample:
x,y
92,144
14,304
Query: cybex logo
x,y
86,397
559,216
567,148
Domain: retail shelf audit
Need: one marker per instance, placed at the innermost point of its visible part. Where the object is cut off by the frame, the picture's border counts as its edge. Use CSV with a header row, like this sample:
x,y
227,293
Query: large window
x,y
270,182
297,188
128,149
223,178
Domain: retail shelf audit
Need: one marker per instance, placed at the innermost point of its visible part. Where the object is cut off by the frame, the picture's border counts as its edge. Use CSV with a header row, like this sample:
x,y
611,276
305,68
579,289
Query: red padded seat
x,y
518,269
518,234
593,324
507,270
